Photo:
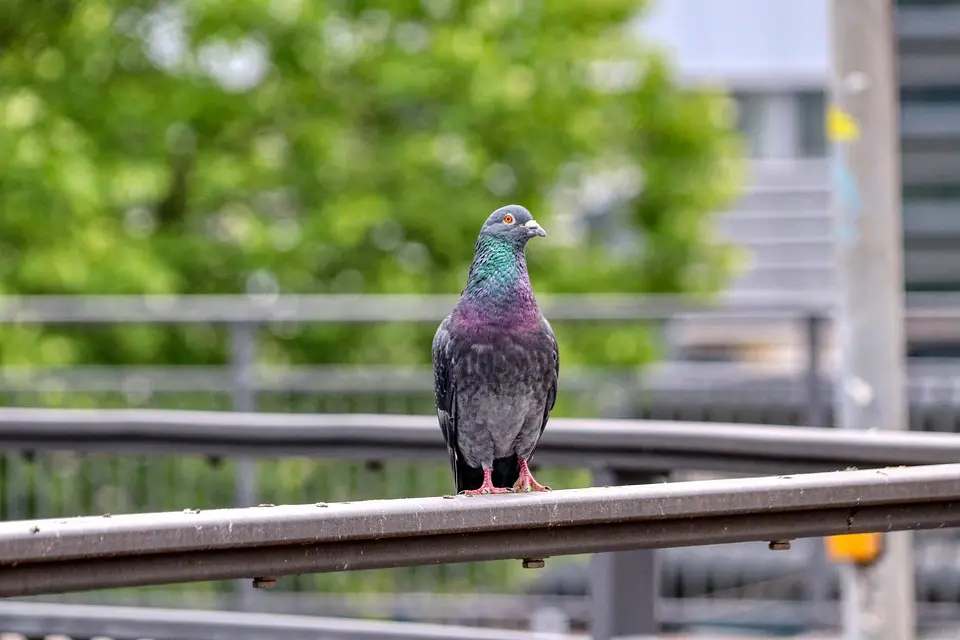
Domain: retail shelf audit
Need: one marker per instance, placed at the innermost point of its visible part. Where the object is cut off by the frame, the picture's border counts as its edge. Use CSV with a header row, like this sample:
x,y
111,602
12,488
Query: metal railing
x,y
244,314
618,445
618,450
686,391
91,483
928,318
507,612
260,308
349,308
57,556
43,620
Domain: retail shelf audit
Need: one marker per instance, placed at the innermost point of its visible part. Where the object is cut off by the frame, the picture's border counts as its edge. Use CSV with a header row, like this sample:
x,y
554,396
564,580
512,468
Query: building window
x,y
783,125
751,121
812,139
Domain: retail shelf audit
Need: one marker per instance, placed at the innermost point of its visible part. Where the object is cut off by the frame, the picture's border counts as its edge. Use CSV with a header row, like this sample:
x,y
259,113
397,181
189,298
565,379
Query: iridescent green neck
x,y
499,270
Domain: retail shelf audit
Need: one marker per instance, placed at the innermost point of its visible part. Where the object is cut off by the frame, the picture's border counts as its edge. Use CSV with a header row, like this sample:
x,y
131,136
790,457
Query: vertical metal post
x,y
817,576
243,348
817,582
816,409
850,602
14,493
624,586
243,356
863,125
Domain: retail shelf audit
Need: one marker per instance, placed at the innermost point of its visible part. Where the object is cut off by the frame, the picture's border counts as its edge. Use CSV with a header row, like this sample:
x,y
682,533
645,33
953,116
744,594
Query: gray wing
x,y
552,375
444,388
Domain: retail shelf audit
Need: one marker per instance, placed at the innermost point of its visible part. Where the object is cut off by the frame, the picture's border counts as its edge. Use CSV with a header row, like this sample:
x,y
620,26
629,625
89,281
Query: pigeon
x,y
496,364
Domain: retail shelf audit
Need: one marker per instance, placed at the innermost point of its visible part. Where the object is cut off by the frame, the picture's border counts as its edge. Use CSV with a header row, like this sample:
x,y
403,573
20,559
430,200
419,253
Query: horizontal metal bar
x,y
509,610
380,308
35,619
415,307
359,379
610,443
672,376
57,556
368,378
725,581
133,623
488,610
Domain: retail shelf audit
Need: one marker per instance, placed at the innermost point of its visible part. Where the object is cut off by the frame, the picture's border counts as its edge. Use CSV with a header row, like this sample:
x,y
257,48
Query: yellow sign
x,y
857,548
841,127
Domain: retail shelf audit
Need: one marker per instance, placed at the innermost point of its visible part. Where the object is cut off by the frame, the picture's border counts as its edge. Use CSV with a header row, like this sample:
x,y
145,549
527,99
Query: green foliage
x,y
362,154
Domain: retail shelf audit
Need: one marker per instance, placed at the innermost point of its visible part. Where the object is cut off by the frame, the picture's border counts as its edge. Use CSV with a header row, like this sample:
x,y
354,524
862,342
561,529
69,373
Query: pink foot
x,y
486,488
526,481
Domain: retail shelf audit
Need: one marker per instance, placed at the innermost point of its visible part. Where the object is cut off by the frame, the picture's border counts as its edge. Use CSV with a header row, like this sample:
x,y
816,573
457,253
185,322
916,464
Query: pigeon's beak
x,y
535,229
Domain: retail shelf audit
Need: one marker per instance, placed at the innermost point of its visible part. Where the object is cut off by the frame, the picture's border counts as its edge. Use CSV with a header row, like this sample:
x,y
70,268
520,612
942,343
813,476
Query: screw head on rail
x,y
533,563
779,545
264,583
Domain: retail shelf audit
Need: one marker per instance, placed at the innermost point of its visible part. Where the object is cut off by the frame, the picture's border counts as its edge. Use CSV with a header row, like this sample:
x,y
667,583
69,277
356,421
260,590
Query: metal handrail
x,y
386,307
132,623
609,443
58,556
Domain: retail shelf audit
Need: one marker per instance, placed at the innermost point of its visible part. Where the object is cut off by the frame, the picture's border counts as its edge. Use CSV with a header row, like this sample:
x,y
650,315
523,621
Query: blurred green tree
x,y
222,146
307,146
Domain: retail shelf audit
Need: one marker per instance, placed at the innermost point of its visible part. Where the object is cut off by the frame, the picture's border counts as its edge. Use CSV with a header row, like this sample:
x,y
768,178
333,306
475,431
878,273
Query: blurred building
x,y
774,57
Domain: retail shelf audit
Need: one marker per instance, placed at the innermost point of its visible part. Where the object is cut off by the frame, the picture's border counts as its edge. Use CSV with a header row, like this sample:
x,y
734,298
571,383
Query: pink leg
x,y
526,481
487,486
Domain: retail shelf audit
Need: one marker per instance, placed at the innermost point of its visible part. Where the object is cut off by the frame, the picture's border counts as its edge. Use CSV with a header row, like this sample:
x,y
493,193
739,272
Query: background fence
x,y
703,586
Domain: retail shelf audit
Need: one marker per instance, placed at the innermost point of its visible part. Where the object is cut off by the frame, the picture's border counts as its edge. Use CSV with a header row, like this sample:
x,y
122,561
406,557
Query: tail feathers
x,y
468,477
506,471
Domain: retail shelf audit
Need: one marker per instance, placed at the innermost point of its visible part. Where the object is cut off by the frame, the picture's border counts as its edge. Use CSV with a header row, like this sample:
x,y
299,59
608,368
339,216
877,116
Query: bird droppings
x,y
34,529
191,511
321,504
106,515
449,497
266,504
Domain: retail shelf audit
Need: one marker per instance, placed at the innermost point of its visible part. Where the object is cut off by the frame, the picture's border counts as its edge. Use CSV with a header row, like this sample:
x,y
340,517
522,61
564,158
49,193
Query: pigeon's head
x,y
513,223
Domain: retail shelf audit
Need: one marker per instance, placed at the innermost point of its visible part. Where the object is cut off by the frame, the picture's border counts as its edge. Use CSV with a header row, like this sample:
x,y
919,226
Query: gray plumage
x,y
496,363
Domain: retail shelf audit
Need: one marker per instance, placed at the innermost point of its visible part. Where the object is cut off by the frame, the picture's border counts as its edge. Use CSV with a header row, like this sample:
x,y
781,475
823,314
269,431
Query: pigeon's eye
x,y
508,219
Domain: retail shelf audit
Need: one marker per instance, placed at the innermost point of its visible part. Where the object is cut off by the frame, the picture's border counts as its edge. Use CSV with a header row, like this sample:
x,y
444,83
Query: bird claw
x,y
526,482
531,485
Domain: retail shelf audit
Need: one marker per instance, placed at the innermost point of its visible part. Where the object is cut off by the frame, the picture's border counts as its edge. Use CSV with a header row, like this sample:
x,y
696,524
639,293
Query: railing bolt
x,y
780,545
264,583
533,563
